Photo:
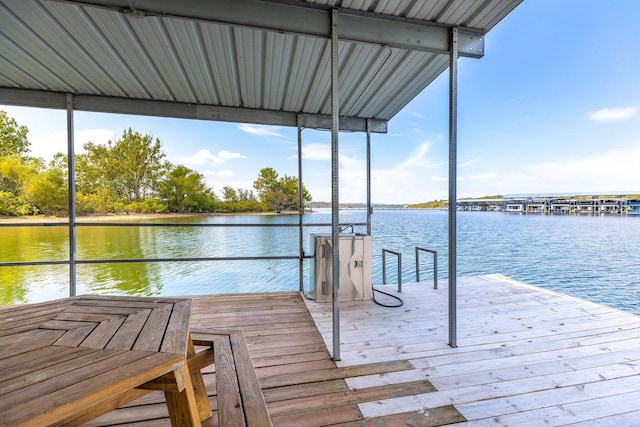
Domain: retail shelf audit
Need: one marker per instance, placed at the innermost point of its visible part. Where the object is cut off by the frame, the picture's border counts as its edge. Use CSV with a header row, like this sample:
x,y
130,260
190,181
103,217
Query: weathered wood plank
x,y
24,363
253,402
350,397
42,381
175,340
127,334
317,418
75,337
432,417
151,335
317,389
230,411
27,340
67,393
270,379
100,336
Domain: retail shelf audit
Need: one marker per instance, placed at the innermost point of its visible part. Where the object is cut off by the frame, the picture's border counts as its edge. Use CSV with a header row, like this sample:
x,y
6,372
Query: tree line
x,y
127,175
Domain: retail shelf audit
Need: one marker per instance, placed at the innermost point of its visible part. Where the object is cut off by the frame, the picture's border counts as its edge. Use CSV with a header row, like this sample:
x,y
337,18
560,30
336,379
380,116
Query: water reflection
x,y
595,258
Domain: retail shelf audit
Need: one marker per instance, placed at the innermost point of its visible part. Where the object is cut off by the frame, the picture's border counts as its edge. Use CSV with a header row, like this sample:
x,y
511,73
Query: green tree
x,y
277,193
229,194
12,205
267,181
16,171
48,192
135,165
94,189
185,190
13,138
127,171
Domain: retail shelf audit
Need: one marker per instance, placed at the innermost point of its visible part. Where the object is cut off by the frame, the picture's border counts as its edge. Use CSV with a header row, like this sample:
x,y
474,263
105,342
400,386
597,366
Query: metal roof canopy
x,y
343,65
263,62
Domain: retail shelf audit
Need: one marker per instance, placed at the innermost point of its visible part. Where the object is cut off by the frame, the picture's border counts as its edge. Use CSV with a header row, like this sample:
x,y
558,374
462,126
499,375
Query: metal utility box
x,y
355,267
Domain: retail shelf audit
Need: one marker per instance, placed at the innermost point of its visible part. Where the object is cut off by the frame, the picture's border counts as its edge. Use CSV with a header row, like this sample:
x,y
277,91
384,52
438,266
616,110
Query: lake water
x,y
594,258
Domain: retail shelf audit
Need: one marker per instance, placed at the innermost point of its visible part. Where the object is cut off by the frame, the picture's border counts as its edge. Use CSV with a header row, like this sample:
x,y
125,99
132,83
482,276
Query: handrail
x,y
170,224
144,260
162,224
384,267
435,265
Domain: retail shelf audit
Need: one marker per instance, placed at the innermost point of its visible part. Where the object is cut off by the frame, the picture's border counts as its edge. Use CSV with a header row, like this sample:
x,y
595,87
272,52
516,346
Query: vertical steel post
x,y
369,208
335,184
453,176
71,175
300,207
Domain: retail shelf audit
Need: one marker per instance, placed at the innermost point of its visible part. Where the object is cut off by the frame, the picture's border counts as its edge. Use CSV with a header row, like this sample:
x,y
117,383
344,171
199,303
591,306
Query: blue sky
x,y
553,107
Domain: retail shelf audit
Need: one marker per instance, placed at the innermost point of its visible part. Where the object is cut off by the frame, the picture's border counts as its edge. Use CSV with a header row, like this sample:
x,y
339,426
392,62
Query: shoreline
x,y
44,219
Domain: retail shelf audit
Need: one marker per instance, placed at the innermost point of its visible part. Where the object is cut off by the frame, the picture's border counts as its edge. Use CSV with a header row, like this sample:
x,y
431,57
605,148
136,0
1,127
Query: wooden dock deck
x,y
526,357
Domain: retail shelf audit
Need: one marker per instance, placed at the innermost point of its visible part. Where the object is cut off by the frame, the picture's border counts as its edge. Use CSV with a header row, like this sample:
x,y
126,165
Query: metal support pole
x,y
453,176
335,184
300,207
72,197
369,208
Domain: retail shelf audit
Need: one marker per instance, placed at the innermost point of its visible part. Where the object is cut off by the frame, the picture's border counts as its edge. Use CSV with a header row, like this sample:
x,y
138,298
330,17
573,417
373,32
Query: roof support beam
x,y
104,104
299,17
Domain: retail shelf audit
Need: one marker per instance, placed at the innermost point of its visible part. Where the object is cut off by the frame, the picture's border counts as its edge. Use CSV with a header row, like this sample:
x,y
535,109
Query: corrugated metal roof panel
x,y
186,56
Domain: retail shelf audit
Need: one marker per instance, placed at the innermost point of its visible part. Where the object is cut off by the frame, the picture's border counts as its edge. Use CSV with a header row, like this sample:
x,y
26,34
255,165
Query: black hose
x,y
386,305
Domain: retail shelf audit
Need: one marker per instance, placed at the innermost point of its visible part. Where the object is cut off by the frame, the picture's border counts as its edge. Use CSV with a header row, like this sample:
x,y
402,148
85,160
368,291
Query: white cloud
x,y
316,151
613,114
45,145
227,155
260,130
611,171
484,176
404,182
222,174
204,157
468,163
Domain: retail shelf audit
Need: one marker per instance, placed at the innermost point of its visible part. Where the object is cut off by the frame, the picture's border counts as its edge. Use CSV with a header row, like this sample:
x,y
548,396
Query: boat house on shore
x,y
585,205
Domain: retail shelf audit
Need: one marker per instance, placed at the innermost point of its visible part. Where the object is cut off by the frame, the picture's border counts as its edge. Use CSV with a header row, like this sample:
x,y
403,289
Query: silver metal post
x,y
335,184
453,142
72,197
300,208
369,208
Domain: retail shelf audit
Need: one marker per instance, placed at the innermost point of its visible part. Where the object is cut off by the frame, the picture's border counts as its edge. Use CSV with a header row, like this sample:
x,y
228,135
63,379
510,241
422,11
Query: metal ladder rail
x,y
435,265
384,267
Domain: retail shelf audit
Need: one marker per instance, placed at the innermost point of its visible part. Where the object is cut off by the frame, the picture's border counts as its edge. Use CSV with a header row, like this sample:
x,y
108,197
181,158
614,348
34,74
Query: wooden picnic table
x,y
67,361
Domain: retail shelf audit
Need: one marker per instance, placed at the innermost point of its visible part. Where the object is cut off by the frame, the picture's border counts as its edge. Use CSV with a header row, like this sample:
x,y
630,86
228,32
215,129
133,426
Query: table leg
x,y
199,389
183,409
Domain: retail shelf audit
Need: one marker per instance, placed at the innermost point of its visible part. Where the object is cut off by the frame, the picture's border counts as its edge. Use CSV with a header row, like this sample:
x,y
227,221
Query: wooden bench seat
x,y
238,392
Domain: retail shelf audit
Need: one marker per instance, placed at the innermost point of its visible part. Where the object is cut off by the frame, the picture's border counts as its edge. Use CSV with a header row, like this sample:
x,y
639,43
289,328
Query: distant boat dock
x,y
583,205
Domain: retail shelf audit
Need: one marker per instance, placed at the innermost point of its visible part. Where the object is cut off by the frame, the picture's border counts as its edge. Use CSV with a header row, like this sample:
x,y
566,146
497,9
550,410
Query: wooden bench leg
x,y
199,389
183,409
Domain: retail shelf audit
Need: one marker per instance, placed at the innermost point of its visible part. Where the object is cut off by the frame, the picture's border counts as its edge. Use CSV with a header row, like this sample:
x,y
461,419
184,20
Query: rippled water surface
x,y
595,258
